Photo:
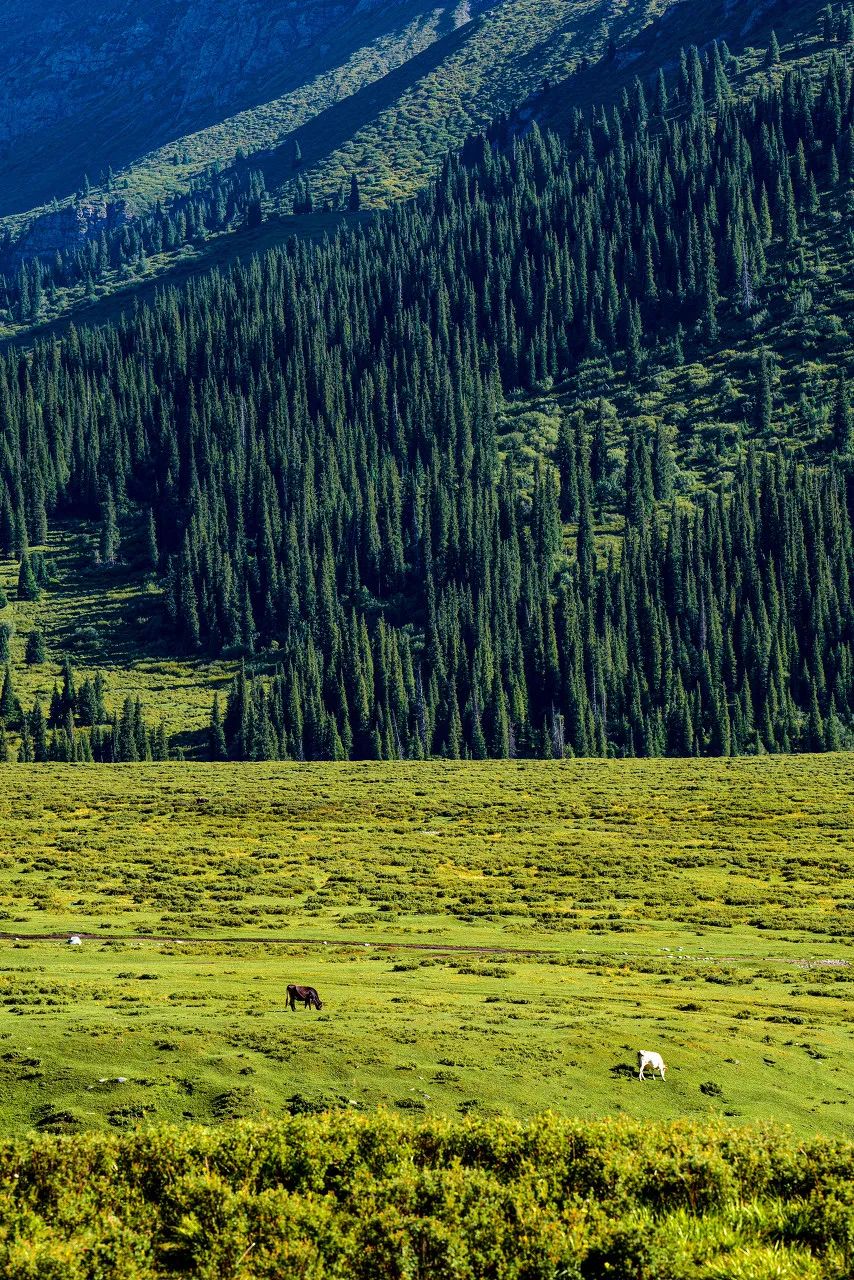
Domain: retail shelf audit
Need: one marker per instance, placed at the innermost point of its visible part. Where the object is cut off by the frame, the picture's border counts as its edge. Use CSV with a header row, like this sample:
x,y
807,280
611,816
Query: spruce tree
x,y
38,733
10,708
28,588
764,394
842,416
150,552
216,736
108,540
36,649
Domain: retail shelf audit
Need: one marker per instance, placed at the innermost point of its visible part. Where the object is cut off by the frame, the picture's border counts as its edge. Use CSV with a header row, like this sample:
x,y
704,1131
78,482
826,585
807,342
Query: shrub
x,y
374,1197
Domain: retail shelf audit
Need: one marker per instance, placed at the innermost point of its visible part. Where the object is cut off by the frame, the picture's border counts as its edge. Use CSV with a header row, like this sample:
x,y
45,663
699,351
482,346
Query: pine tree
x,y
87,708
827,23
216,738
28,588
565,457
108,541
56,711
764,394
150,553
68,696
38,733
36,649
599,457
10,709
662,465
842,417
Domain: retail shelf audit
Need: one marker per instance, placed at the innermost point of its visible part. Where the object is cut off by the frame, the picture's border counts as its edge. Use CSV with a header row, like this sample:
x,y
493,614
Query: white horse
x,y
647,1058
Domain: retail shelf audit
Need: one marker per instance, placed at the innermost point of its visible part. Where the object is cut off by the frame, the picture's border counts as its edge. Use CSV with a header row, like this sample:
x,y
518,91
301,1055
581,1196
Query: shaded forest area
x,y
307,445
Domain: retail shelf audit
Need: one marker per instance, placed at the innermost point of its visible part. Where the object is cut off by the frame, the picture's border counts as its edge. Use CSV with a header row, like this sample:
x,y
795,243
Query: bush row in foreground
x,y
341,1195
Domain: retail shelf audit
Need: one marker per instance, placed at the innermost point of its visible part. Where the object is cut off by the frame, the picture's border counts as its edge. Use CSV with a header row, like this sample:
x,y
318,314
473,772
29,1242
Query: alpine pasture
x,y
487,939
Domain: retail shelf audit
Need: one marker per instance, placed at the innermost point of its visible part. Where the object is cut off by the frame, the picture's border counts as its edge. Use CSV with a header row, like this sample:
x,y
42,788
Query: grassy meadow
x,y
699,907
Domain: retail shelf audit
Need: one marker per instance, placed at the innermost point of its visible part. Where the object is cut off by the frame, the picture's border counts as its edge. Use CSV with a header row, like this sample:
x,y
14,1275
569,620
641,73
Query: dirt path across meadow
x,y
814,962
279,942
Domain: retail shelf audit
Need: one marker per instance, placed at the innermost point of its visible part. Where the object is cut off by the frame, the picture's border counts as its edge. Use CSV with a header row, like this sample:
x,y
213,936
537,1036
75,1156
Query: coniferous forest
x,y
309,445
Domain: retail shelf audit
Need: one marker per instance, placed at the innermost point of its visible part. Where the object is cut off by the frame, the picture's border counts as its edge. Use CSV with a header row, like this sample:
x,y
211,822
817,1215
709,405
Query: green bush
x,y
338,1195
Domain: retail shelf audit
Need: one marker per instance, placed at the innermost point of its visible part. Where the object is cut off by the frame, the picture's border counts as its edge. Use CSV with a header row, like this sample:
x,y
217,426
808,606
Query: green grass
x,y
702,908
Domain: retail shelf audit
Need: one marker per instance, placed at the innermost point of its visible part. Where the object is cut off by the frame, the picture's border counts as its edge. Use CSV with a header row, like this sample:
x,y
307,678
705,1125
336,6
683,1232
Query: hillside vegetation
x,y
347,1197
118,95
380,96
398,89
312,460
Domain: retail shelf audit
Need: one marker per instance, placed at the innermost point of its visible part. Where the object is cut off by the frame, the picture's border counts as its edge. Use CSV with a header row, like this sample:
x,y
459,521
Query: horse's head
x,y
318,1003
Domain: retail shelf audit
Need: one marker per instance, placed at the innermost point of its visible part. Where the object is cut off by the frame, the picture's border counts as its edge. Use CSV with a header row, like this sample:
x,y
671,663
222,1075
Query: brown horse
x,y
309,997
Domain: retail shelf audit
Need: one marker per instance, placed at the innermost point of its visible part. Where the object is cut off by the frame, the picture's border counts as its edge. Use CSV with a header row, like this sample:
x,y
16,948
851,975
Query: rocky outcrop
x,y
87,85
64,228
153,56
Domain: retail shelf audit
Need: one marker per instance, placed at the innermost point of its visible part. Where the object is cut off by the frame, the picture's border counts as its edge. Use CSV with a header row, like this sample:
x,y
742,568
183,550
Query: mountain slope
x,y
383,96
308,459
88,87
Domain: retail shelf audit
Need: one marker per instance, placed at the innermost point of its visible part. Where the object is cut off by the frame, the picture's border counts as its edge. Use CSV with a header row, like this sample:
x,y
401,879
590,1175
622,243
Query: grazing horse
x,y
309,997
647,1058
